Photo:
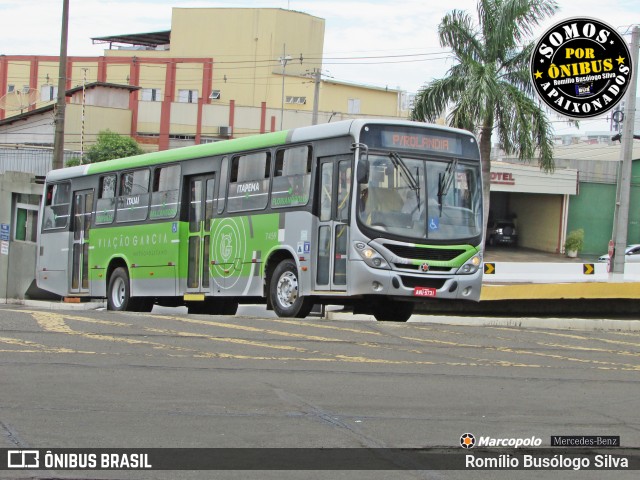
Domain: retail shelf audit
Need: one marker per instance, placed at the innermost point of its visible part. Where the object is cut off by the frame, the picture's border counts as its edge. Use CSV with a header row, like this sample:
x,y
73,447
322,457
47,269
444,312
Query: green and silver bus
x,y
376,215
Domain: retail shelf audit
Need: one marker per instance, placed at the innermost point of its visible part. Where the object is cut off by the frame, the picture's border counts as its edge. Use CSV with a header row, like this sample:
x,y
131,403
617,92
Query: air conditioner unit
x,y
225,131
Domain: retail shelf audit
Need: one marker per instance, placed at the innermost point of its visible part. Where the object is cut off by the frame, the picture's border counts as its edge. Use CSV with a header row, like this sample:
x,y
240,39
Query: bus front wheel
x,y
284,292
119,293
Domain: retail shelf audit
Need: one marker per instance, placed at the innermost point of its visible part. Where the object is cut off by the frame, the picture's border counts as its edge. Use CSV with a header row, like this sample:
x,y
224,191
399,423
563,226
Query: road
x,y
166,379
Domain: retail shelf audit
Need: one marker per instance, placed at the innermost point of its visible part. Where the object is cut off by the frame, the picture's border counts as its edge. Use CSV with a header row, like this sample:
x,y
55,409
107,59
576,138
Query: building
x,y
580,193
204,80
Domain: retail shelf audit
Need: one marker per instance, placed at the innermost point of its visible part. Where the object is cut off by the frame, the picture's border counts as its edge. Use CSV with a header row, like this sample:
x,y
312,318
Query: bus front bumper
x,y
418,287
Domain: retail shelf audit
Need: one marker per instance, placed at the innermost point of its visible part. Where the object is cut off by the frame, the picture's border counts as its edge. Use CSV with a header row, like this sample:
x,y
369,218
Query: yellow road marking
x,y
39,348
328,327
55,323
528,352
579,337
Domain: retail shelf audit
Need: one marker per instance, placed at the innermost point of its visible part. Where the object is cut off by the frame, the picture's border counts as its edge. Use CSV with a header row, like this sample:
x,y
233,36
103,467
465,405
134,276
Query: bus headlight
x,y
371,256
471,265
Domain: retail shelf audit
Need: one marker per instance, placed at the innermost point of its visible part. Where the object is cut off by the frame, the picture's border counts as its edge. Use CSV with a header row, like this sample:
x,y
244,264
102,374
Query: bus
x,y
378,216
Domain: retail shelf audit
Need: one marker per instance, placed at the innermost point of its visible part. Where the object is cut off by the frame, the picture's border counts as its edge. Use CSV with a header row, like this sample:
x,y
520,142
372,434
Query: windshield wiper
x,y
446,180
414,184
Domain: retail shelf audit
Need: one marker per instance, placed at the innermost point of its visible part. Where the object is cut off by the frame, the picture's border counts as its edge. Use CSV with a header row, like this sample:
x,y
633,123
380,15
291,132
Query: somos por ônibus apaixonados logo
x,y
581,67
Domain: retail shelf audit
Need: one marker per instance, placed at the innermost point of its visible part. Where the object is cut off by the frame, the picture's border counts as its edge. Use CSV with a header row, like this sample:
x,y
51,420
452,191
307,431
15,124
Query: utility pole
x,y
58,141
84,101
621,215
316,95
283,61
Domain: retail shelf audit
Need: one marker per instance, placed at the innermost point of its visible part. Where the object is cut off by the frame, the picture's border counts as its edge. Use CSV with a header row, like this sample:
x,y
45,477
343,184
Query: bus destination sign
x,y
417,141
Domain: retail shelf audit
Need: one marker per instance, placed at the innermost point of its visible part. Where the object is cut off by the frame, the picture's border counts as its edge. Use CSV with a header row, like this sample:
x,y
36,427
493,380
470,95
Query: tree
x,y
489,88
110,145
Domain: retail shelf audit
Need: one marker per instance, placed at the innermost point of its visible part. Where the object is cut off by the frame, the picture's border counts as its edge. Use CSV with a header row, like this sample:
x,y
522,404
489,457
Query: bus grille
x,y
416,253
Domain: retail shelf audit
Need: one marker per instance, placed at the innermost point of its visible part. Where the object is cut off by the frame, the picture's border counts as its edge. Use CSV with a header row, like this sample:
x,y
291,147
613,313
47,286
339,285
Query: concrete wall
x,y
247,37
592,210
18,267
97,119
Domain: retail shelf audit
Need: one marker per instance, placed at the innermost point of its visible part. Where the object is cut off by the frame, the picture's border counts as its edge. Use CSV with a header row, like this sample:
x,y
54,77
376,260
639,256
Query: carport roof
x,y
151,39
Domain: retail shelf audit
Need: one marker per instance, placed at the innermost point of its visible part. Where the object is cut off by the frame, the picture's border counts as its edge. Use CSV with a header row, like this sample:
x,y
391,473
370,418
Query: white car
x,y
632,254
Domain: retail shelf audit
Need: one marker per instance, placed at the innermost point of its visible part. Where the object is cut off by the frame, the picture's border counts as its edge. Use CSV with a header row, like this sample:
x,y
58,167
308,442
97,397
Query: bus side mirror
x,y
363,170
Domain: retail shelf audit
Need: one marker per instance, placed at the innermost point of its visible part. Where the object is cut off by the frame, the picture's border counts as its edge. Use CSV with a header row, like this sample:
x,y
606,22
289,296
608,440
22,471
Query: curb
x,y
59,305
557,291
546,323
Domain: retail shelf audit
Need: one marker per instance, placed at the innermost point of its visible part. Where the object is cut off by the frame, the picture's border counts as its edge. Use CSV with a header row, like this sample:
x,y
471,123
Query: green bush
x,y
110,145
72,162
575,240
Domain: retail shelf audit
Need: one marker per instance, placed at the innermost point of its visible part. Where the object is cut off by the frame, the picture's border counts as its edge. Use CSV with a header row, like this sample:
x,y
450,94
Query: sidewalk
x,y
508,254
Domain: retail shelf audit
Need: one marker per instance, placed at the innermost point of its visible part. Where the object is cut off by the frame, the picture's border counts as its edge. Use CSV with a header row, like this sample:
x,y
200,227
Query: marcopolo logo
x,y
581,67
468,440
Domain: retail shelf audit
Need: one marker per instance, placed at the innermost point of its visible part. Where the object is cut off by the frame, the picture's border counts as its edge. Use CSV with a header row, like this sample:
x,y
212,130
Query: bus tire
x,y
284,293
119,290
392,311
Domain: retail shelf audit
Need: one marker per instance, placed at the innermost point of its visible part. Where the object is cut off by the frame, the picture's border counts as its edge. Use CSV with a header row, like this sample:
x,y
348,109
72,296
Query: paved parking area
x,y
517,254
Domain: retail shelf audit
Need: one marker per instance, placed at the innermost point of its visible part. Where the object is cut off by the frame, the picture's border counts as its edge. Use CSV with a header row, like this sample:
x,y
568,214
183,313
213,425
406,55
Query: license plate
x,y
424,292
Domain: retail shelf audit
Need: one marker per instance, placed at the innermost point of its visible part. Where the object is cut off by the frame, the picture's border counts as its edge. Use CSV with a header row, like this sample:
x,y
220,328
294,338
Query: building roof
x,y
68,93
22,116
151,39
78,88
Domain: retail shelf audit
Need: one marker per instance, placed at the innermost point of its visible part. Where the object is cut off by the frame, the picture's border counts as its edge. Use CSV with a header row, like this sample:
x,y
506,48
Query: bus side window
x,y
133,201
164,196
249,182
57,204
344,191
106,204
291,177
224,179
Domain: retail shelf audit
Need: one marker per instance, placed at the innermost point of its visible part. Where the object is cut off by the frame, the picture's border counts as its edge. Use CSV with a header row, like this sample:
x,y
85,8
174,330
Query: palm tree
x,y
490,87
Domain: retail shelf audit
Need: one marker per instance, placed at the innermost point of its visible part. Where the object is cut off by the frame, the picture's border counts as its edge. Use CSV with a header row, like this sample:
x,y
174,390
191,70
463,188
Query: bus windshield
x,y
421,199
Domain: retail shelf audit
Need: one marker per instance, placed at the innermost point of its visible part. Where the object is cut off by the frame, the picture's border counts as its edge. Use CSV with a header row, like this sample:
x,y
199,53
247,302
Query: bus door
x,y
201,202
333,226
81,215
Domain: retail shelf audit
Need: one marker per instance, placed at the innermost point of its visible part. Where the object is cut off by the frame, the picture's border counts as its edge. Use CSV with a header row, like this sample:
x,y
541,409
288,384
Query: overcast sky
x,y
403,35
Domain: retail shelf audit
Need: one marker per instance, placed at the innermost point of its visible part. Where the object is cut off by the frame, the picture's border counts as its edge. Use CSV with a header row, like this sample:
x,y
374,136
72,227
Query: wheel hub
x,y
118,293
287,289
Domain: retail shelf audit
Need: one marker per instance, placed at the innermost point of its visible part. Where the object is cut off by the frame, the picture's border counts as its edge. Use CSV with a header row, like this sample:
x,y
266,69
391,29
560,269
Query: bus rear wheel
x,y
119,290
284,292
392,311
119,294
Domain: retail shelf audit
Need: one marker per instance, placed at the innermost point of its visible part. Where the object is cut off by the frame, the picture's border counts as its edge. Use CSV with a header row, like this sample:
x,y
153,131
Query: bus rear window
x,y
56,206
